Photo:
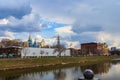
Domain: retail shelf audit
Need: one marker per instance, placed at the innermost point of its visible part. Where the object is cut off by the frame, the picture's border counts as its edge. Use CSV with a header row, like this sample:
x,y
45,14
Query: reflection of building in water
x,y
9,76
115,62
75,69
97,68
59,74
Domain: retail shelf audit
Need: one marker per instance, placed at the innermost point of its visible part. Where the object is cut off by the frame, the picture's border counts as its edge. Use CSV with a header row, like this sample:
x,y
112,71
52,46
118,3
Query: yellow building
x,y
105,49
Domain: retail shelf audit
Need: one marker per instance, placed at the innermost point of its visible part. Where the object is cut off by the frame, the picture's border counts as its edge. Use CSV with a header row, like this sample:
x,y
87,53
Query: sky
x,y
76,21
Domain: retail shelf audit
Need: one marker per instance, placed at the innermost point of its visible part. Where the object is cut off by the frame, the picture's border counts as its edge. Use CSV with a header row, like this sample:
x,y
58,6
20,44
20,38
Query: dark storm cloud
x,y
15,8
89,28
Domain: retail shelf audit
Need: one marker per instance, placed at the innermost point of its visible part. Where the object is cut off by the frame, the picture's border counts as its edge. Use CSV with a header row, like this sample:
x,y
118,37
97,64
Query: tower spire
x,y
30,38
58,40
30,41
35,43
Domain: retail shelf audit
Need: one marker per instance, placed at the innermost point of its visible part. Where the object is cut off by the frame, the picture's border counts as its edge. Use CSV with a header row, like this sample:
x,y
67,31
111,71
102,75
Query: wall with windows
x,y
38,52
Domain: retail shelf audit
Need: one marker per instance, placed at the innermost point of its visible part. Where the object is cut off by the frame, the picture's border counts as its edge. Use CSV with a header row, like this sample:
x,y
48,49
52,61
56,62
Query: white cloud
x,y
4,22
66,29
39,38
112,39
9,34
52,11
29,23
73,44
51,41
65,32
48,41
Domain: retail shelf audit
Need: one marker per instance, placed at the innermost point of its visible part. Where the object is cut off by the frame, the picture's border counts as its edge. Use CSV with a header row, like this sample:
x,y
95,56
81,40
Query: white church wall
x,y
38,52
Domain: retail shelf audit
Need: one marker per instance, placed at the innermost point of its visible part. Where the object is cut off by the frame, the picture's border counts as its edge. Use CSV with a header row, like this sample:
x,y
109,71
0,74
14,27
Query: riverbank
x,y
18,63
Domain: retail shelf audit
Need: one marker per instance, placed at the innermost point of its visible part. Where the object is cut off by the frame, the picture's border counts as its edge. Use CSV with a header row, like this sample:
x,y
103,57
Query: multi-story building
x,y
94,49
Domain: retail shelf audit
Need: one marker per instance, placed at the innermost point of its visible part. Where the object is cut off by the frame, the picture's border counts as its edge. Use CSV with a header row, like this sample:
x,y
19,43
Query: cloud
x,y
14,8
99,22
73,44
45,26
6,34
112,39
9,34
99,14
3,22
88,28
65,32
29,23
66,35
75,20
55,10
48,41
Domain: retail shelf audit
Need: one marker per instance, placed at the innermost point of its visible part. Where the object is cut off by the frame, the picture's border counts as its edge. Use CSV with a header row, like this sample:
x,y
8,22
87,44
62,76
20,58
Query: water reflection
x,y
97,68
59,74
114,72
104,71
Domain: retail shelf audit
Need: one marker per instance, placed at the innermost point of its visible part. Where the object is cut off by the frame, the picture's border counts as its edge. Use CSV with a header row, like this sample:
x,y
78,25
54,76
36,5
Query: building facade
x,y
42,52
94,49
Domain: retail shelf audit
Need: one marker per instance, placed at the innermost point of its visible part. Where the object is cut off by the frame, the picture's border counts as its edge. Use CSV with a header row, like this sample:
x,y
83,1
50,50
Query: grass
x,y
18,63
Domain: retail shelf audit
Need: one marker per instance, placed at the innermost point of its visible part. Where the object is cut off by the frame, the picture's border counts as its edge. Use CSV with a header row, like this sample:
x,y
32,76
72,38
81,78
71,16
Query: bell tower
x,y
30,41
58,40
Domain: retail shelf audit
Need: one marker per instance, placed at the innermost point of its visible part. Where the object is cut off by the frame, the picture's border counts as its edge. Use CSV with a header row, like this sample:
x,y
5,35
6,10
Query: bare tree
x,y
59,49
8,42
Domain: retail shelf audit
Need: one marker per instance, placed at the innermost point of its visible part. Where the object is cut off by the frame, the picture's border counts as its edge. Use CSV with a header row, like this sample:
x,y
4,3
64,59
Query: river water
x,y
103,71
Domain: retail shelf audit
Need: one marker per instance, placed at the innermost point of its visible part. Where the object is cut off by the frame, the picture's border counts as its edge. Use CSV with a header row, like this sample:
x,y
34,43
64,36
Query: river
x,y
103,71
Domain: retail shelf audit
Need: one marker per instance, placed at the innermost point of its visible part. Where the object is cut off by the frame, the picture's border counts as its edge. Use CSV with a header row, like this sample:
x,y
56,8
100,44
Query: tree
x,y
59,49
5,42
8,42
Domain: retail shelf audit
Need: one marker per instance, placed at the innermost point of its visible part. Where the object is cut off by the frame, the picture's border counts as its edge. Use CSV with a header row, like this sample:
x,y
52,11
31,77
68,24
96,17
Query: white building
x,y
38,52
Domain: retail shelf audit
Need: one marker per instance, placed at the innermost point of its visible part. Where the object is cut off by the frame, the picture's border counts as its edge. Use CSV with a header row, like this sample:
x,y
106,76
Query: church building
x,y
35,44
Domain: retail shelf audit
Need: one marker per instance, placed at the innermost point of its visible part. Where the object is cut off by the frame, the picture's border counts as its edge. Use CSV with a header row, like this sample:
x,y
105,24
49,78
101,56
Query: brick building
x,y
94,49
